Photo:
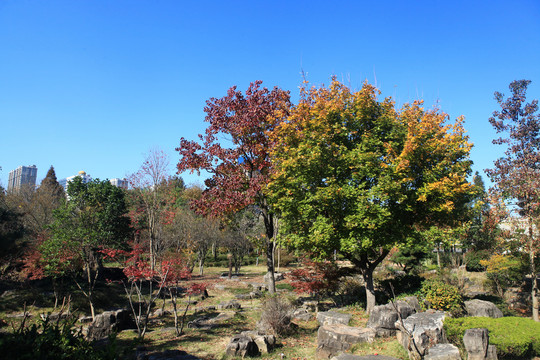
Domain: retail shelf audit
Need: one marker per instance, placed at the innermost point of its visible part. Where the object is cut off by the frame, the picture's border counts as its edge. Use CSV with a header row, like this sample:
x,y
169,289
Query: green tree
x,y
352,174
93,217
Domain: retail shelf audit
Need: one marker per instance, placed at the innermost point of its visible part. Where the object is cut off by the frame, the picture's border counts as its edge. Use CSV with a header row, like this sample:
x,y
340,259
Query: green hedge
x,y
514,337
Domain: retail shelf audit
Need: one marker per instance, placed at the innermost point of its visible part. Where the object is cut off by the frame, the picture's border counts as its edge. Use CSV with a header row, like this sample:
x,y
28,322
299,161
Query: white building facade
x,y
22,176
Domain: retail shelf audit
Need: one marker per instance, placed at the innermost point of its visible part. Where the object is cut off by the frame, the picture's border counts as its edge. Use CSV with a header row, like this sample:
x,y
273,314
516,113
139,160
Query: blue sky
x,y
94,85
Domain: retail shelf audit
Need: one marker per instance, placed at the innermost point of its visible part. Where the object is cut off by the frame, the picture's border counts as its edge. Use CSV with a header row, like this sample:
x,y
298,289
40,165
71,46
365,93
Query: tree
x,y
93,217
516,175
153,200
240,164
354,175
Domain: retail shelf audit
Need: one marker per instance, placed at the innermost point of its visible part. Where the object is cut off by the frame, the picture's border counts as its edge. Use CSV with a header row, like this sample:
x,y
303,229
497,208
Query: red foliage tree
x,y
240,165
517,174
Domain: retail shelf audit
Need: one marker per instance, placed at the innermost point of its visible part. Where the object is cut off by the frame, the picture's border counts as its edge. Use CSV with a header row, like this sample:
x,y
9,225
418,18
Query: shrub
x,y
442,296
51,341
473,258
315,277
276,316
503,271
514,337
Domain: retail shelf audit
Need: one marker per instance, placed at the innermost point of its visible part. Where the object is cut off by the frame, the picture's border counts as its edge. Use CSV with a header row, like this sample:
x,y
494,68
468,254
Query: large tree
x,y
94,217
352,174
516,175
235,151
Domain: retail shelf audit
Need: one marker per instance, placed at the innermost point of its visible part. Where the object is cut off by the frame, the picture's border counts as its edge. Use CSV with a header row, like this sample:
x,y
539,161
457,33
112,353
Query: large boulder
x,y
301,314
334,339
242,345
383,318
476,343
443,352
333,318
420,331
477,307
108,322
265,342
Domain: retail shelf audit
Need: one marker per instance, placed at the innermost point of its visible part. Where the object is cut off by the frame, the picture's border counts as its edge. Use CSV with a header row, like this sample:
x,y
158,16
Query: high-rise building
x,y
121,183
22,176
83,175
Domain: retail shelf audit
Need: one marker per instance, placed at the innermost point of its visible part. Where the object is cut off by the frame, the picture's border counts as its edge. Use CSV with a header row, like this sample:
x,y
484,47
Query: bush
x,y
473,258
51,341
442,296
504,271
276,316
514,337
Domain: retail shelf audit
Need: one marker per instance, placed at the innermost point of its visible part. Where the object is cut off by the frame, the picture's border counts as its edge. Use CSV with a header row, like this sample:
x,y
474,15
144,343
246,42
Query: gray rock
x,y
426,329
208,323
242,345
301,314
443,352
333,339
277,277
383,318
108,322
229,305
265,342
483,308
476,343
413,302
220,287
333,318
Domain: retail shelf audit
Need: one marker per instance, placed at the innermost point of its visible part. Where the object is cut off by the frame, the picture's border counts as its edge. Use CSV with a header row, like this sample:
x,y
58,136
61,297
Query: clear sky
x,y
94,85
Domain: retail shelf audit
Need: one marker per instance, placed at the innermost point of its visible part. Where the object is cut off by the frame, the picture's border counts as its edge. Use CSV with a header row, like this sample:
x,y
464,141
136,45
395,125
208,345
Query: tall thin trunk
x,y
534,287
370,289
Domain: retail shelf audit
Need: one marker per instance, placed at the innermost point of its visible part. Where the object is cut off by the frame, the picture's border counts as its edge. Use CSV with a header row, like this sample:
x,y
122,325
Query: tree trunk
x,y
201,267
370,289
534,287
271,282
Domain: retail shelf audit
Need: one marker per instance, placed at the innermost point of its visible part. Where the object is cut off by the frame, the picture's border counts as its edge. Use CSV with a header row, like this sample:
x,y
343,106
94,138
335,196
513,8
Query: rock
x,y
220,287
426,329
258,286
383,318
443,352
413,302
243,296
55,316
483,308
160,313
109,321
333,318
362,357
517,299
242,345
311,305
143,354
209,323
476,343
301,314
229,305
265,342
277,277
333,339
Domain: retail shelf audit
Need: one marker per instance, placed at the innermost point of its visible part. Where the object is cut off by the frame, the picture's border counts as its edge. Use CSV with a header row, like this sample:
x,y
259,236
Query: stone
x,y
383,318
220,287
229,305
160,313
258,286
208,323
443,352
426,329
477,307
333,339
333,318
143,354
301,314
277,277
265,342
413,302
55,316
363,357
242,345
476,343
108,322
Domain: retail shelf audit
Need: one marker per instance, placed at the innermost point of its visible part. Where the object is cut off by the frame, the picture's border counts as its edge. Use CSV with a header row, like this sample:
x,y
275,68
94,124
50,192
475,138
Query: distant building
x,y
121,183
22,176
83,175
